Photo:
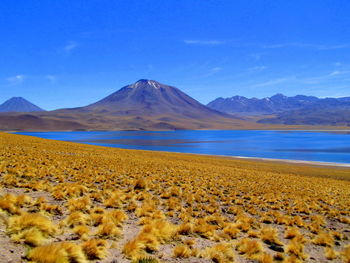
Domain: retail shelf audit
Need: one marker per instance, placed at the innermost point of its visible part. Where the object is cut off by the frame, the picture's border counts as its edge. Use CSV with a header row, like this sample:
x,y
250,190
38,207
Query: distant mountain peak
x,y
146,83
18,104
279,95
16,98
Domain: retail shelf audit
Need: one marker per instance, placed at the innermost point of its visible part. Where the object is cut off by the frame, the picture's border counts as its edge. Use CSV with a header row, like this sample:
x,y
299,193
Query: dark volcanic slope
x,y
18,104
28,122
151,98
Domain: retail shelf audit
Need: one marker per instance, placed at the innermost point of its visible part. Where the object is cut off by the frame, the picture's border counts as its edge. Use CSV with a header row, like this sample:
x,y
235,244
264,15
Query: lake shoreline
x,y
237,157
293,147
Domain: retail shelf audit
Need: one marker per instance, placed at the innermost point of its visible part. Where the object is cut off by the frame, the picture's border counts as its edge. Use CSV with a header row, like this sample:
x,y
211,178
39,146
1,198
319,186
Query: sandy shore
x,y
295,161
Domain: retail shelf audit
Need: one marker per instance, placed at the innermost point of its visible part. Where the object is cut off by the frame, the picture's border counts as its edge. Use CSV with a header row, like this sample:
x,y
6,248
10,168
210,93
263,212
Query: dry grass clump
x,y
150,238
140,184
296,248
30,228
330,253
8,204
291,233
324,239
95,249
232,230
221,253
32,236
250,248
145,260
63,252
82,231
185,229
182,251
108,230
203,229
265,258
345,253
135,249
269,236
76,219
79,204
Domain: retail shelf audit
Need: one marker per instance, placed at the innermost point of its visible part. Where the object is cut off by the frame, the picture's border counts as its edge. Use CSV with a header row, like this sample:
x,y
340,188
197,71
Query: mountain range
x,y
150,105
144,105
272,105
296,110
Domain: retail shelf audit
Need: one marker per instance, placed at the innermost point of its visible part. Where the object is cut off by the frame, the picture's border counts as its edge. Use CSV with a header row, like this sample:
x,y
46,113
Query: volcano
x,y
151,98
18,104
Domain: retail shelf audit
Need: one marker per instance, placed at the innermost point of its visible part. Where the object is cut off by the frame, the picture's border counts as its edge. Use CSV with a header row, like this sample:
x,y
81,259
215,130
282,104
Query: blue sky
x,y
60,53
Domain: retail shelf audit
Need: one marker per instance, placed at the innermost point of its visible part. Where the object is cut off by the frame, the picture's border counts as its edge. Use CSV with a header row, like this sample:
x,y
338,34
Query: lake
x,y
292,145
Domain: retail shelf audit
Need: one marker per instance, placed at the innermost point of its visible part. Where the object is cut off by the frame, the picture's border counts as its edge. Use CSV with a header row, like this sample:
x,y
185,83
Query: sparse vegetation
x,y
77,203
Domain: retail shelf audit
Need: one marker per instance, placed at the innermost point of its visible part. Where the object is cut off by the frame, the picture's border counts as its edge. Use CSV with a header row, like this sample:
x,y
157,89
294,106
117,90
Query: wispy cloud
x,y
204,42
257,68
51,78
70,46
339,72
307,45
216,69
255,56
336,74
14,80
272,82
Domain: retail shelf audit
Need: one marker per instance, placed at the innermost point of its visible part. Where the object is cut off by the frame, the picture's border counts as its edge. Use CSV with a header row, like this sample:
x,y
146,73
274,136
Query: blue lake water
x,y
293,145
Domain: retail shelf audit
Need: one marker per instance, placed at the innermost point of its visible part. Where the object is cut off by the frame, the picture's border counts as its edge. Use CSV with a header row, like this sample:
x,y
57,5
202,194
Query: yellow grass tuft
x,y
81,231
108,230
221,253
346,254
134,249
296,248
185,229
250,248
324,239
63,252
291,233
149,241
203,229
32,236
232,231
330,253
23,200
75,219
140,184
269,236
117,217
95,249
8,205
182,251
24,221
265,258
292,259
